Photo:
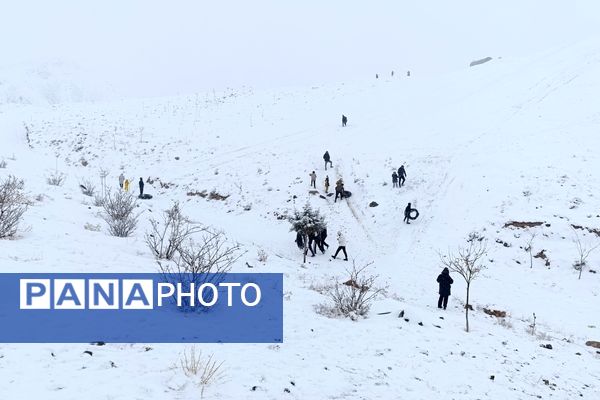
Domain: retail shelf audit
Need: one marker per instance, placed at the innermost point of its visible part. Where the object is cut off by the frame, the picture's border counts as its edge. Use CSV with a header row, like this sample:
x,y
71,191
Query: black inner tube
x,y
410,214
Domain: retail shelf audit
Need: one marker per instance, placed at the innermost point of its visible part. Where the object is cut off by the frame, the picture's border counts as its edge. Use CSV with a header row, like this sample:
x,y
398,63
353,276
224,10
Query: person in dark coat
x,y
401,175
299,240
141,183
322,243
407,213
344,120
339,190
445,281
312,243
394,179
327,159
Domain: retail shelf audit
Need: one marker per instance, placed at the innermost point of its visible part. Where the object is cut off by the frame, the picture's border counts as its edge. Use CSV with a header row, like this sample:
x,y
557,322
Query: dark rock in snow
x,y
88,352
373,204
480,61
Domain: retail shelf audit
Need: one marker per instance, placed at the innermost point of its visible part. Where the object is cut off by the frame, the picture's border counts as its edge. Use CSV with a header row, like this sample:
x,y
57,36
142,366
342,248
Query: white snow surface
x,y
514,139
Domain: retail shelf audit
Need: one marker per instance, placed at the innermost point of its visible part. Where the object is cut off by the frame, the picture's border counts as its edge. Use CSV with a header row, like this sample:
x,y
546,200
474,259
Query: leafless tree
x,y
119,213
529,247
354,296
583,252
13,204
167,236
203,261
467,262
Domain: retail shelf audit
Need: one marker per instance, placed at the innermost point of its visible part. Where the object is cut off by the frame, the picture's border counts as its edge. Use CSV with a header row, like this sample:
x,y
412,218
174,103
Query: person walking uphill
x,y
121,180
313,179
327,159
401,175
341,246
126,185
344,120
141,183
327,184
394,179
445,282
407,211
339,190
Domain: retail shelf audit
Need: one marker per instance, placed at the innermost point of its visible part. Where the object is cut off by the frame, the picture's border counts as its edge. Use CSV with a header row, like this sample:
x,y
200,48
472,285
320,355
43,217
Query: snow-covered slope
x,y
507,140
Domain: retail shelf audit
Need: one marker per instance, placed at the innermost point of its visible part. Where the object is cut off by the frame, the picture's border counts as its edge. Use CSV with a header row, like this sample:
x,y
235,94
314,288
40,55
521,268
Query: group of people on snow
x,y
399,177
124,184
317,241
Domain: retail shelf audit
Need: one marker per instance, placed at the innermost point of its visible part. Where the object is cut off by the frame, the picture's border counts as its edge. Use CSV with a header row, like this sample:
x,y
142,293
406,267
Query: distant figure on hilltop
x,y
344,120
141,183
445,282
313,179
392,74
401,175
394,179
121,180
407,73
326,156
376,76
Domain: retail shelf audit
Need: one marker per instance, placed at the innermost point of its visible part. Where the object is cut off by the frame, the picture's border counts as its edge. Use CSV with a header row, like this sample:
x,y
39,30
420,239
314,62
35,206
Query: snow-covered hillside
x,y
510,140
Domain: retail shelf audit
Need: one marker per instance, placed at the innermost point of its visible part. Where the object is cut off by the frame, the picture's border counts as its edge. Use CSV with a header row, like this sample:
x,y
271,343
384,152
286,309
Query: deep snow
x,y
514,139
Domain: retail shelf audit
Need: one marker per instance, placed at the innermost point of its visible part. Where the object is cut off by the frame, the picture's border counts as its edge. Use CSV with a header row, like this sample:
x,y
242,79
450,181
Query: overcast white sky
x,y
163,47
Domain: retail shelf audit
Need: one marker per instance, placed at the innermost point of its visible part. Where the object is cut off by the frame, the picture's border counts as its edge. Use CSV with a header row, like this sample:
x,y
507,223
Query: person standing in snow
x,y
341,246
344,120
126,185
394,179
313,179
445,281
327,184
121,180
141,183
339,190
401,175
312,243
327,159
321,242
407,211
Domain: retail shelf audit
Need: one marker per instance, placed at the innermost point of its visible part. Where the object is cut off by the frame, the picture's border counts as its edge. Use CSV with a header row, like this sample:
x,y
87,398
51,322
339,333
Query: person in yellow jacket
x,y
126,185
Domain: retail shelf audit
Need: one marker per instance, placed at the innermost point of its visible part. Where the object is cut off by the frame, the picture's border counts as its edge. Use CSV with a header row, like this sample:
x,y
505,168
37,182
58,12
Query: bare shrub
x,y
98,200
119,213
199,262
353,297
206,370
166,237
56,179
91,227
583,252
262,255
467,263
87,187
13,204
